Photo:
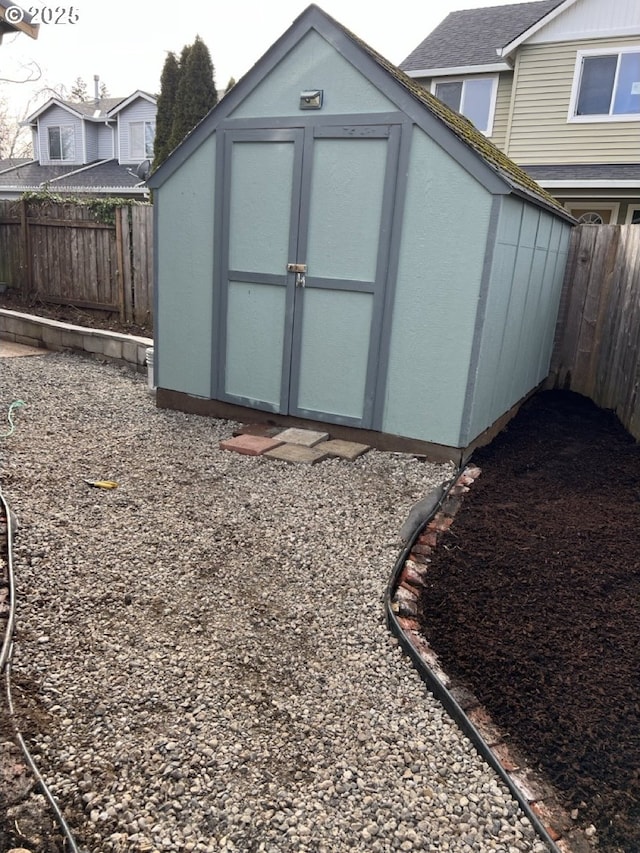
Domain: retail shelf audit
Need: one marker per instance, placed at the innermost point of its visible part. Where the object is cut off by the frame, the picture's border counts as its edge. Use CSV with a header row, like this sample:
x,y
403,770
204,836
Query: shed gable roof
x,y
473,37
426,110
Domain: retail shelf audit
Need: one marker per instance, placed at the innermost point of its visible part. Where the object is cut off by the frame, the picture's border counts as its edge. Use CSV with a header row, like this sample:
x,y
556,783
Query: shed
x,y
335,246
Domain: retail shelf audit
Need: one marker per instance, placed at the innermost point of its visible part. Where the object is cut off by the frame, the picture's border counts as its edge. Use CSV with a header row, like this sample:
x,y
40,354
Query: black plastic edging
x,y
439,690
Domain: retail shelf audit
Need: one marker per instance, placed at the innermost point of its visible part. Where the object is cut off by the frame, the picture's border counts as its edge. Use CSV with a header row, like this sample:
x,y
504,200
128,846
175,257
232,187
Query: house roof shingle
x,y
586,172
89,108
472,36
105,174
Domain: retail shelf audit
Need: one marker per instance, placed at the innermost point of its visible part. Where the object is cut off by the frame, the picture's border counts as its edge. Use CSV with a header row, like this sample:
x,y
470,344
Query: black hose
x,y
5,664
436,686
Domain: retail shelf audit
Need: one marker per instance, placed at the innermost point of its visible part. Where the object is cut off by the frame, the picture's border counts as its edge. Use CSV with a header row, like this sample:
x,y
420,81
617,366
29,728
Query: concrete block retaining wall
x,y
53,335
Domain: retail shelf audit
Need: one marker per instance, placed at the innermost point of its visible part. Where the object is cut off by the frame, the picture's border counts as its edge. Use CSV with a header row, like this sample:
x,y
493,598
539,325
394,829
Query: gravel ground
x,y
208,639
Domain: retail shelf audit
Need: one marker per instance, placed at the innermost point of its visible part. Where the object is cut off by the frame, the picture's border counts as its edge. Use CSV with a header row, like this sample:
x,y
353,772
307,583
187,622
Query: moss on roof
x,y
464,130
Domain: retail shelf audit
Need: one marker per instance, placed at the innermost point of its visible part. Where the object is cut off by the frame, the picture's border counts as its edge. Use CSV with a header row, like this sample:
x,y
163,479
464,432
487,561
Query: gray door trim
x,y
223,273
398,131
395,237
314,120
378,287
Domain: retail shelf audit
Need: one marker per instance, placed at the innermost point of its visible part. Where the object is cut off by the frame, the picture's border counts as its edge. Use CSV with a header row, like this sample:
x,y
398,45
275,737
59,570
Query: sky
x,y
125,42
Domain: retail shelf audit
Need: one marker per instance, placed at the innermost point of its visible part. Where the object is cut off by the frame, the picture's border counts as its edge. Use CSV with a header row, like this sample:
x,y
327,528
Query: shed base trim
x,y
180,401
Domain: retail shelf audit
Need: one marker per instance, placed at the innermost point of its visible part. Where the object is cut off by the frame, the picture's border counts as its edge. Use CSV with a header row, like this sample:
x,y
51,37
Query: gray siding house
x,y
89,147
336,246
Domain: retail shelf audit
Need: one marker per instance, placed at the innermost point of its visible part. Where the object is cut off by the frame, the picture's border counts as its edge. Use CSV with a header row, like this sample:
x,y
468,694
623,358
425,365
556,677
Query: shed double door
x,y
306,235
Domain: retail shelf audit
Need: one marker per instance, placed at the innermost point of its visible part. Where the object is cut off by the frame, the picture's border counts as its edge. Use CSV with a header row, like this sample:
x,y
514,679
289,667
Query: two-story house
x,y
89,147
555,84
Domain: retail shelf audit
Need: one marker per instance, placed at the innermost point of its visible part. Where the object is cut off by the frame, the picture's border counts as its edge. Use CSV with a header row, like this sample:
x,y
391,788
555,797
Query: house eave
x,y
594,184
129,100
29,120
454,71
513,45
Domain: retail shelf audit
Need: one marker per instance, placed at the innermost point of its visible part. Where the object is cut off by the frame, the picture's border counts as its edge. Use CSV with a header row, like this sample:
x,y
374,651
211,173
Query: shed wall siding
x,y
317,64
540,132
520,312
441,257
185,221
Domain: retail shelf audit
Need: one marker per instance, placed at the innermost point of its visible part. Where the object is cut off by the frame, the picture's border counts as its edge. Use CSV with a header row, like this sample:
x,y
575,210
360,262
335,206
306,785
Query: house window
x,y
141,137
633,216
606,86
594,213
474,97
62,143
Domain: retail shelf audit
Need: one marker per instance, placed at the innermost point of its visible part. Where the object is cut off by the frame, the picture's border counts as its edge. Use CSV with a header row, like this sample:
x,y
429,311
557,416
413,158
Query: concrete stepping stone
x,y
297,453
349,450
250,445
305,437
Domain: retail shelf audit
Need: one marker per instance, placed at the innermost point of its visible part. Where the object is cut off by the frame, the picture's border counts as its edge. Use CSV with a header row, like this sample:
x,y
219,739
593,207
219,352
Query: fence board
x,y
597,347
142,244
58,253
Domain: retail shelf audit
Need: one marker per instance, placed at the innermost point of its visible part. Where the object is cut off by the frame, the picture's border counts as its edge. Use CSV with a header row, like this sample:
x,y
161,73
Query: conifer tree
x,y
79,92
196,93
166,104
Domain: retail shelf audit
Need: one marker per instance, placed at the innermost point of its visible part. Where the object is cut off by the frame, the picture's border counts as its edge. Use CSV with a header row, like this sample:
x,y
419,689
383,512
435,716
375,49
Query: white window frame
x,y
60,128
577,78
493,98
633,208
143,123
594,204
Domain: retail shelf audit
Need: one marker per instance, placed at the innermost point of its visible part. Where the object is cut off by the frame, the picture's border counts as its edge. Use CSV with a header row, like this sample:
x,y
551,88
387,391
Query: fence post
x,y
120,263
26,247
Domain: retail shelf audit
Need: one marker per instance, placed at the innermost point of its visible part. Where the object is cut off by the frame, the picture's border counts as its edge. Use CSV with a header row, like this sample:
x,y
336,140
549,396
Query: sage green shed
x,y
335,245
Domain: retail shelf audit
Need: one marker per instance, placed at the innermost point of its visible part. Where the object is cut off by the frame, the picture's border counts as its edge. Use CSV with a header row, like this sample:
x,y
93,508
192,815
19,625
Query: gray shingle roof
x,y
12,162
33,176
472,36
586,172
88,108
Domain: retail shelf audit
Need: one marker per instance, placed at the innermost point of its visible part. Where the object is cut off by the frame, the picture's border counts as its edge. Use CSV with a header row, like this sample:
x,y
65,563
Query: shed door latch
x,y
299,270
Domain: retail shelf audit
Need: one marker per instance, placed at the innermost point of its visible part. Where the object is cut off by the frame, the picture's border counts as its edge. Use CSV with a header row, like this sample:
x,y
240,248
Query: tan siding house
x,y
541,131
567,102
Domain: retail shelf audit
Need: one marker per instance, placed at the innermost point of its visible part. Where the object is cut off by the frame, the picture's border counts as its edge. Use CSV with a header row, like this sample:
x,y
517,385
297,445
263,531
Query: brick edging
x,y
530,786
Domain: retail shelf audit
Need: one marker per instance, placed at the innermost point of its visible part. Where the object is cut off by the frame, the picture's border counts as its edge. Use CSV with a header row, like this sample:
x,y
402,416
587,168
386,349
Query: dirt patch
x,y
533,600
15,301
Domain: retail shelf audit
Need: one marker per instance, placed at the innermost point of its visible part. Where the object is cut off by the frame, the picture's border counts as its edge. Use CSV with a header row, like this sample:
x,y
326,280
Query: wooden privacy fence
x,y
60,253
597,346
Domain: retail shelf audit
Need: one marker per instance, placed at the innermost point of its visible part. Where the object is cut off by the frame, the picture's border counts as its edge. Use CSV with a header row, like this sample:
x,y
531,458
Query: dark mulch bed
x,y
14,300
534,600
